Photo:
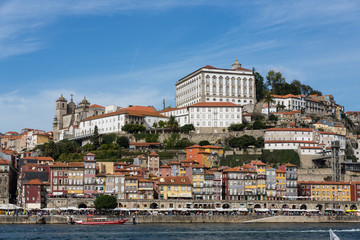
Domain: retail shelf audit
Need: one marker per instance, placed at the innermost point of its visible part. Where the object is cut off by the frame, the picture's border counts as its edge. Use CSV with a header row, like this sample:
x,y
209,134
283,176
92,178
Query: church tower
x,y
61,110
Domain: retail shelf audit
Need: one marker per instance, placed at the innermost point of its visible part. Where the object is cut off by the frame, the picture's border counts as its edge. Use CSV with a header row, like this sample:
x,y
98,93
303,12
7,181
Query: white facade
x,y
272,109
210,84
298,102
112,122
207,116
181,115
306,140
214,117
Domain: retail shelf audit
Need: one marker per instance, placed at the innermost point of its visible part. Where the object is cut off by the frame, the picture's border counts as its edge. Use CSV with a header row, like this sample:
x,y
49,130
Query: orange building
x,y
207,155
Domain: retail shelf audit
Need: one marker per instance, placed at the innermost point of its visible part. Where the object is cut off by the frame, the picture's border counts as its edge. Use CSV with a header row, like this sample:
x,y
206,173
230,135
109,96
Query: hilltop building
x,y
211,84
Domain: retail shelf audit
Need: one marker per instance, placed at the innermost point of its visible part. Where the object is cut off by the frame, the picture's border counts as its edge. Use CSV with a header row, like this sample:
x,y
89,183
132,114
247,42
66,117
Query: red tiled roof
x,y
145,144
256,162
215,104
286,96
153,154
311,147
291,129
289,141
134,111
170,109
96,106
211,67
164,166
330,133
178,180
36,181
320,182
4,162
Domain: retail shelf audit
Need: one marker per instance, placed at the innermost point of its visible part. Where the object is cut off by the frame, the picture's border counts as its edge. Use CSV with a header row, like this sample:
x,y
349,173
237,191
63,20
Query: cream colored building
x,y
210,84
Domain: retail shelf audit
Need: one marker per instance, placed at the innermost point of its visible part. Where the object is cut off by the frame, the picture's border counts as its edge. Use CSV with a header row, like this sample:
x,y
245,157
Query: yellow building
x,y
280,179
198,180
326,191
249,177
75,178
260,169
330,127
131,187
175,188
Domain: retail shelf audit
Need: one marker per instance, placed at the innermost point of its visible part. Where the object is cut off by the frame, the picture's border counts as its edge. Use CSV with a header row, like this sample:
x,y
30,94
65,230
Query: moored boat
x,y
91,220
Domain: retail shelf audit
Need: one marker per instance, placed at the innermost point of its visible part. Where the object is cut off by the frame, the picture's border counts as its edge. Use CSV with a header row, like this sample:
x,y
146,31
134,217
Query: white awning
x,y
261,209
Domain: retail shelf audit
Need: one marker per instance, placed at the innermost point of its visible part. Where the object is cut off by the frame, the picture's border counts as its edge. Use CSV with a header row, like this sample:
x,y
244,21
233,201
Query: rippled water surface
x,y
204,231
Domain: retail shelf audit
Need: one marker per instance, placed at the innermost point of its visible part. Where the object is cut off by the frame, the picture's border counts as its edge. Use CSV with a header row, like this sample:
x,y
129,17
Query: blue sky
x,y
132,52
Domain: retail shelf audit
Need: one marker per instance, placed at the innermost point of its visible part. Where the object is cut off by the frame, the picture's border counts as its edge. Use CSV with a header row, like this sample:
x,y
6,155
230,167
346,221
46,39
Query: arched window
x,y
232,81
233,90
214,80
227,80
220,80
227,89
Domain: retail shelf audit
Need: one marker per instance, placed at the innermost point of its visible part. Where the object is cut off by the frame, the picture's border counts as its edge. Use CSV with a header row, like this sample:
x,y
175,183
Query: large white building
x,y
298,102
210,84
207,117
113,122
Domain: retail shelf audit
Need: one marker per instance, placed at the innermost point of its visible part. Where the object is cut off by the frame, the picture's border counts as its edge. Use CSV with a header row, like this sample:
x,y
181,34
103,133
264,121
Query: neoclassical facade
x,y
210,84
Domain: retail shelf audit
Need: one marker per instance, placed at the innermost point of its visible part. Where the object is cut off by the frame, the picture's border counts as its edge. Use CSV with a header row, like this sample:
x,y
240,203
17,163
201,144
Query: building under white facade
x,y
307,141
207,117
210,84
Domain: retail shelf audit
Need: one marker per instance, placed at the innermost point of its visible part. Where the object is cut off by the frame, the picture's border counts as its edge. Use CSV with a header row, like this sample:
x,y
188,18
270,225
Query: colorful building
x,y
326,191
175,188
207,155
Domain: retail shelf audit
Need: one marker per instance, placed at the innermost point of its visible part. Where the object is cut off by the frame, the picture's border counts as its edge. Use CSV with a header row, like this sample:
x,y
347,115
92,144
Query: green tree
x,y
260,86
133,128
151,137
95,138
204,142
172,123
236,127
187,128
258,125
155,125
108,138
123,141
105,202
269,99
161,124
272,117
273,79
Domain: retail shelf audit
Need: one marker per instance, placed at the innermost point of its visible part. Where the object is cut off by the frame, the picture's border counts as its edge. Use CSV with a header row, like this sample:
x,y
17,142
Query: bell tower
x,y
61,110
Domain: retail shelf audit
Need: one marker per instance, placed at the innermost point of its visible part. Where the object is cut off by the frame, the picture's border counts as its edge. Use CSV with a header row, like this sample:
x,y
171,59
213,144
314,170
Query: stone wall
x,y
318,174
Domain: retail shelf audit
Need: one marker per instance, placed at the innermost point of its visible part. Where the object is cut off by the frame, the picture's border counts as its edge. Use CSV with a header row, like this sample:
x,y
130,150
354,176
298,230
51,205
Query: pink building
x,y
89,173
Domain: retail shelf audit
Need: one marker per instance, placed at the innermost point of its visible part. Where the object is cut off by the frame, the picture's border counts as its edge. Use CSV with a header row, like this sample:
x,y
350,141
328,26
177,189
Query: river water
x,y
198,231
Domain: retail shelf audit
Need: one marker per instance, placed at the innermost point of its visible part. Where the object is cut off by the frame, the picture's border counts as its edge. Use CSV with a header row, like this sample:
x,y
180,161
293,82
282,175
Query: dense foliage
x,y
174,142
204,143
105,202
245,141
236,127
123,141
133,128
187,128
280,157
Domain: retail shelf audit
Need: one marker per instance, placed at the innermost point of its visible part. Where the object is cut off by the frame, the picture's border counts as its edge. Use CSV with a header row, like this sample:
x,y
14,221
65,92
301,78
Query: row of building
x,y
26,140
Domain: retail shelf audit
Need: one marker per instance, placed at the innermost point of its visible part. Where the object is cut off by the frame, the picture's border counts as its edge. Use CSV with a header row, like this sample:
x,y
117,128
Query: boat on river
x,y
91,220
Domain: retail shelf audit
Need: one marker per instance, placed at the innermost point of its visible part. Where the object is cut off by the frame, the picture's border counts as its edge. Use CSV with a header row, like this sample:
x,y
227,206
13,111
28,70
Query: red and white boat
x,y
91,220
